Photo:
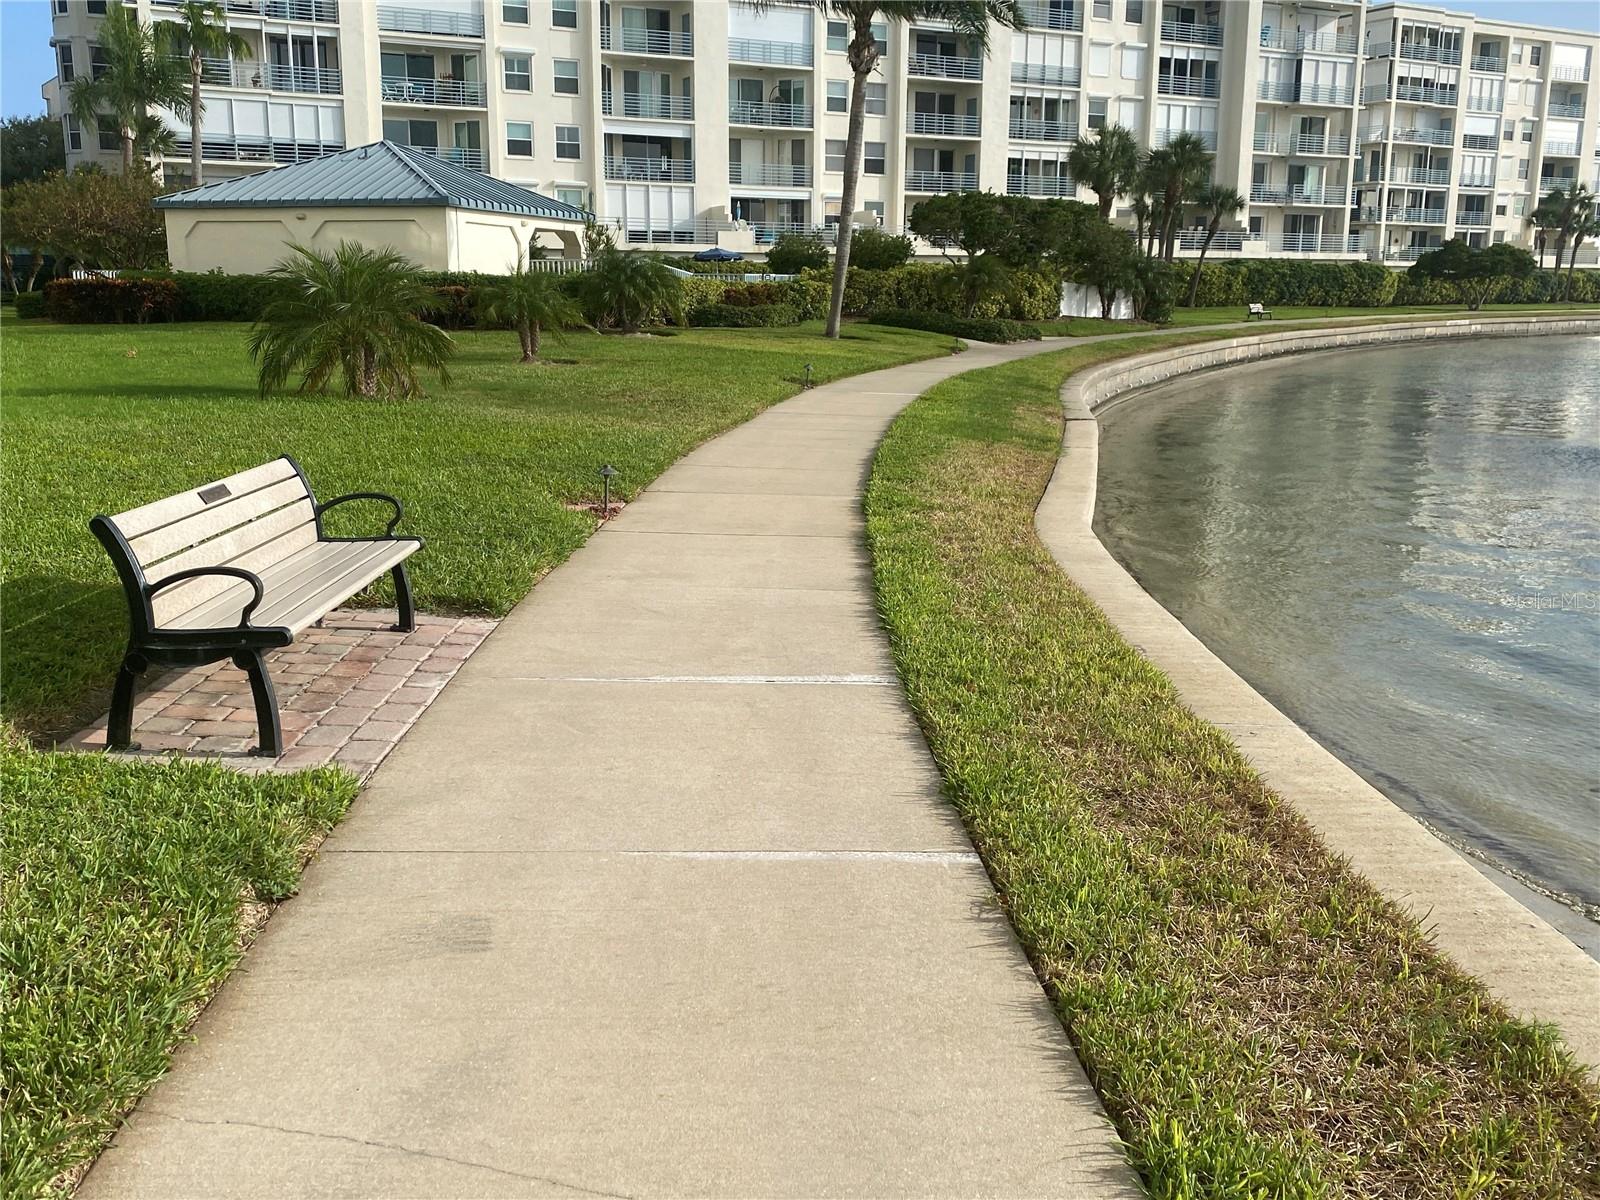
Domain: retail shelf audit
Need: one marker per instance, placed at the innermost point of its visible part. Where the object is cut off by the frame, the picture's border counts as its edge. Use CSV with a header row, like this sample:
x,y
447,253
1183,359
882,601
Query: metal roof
x,y
384,173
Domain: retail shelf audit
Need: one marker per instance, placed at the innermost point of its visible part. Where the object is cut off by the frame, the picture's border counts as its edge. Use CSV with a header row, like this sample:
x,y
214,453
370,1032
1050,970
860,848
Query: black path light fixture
x,y
806,383
606,472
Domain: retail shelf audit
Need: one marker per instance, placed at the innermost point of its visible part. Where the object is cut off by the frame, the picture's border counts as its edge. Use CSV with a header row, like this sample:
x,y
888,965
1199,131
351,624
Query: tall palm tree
x,y
969,18
355,313
137,76
1106,164
198,30
1587,227
1545,217
1179,168
531,301
1216,204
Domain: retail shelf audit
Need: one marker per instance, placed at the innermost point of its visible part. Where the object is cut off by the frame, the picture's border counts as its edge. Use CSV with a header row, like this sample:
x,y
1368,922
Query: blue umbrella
x,y
718,254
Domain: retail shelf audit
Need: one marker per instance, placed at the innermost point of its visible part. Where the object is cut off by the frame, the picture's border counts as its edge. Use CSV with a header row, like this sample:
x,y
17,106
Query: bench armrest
x,y
250,577
399,509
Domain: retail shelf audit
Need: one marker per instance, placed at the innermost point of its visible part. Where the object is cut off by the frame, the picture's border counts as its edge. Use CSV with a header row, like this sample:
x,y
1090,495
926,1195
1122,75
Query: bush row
x,y
934,287
744,316
1356,285
979,329
30,304
99,301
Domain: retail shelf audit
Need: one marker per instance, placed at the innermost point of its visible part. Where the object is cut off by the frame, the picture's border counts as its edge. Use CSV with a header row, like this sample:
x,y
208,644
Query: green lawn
x,y
1183,317
127,893
102,418
1259,1021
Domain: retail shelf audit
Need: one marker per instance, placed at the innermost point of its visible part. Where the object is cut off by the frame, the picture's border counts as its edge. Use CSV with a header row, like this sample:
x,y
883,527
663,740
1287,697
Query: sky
x,y
25,60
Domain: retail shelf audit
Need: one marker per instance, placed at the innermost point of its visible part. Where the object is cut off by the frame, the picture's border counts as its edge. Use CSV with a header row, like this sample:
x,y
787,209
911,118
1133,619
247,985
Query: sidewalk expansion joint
x,y
740,680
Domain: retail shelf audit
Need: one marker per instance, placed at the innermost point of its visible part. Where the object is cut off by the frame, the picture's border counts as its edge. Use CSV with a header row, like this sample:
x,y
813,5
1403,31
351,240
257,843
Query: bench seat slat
x,y
227,516
257,547
137,522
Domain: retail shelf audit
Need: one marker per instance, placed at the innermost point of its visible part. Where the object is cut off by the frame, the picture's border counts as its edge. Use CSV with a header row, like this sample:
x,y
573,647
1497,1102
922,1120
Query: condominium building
x,y
1354,130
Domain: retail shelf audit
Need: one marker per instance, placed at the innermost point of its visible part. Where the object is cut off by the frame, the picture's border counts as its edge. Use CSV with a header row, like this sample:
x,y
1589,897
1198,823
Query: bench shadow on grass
x,y
63,639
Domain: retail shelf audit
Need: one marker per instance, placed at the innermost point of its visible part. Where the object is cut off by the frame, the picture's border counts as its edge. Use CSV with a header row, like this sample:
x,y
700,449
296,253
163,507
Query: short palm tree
x,y
136,76
1216,204
622,289
1106,164
355,313
970,19
531,301
1586,228
1178,170
197,29
1545,218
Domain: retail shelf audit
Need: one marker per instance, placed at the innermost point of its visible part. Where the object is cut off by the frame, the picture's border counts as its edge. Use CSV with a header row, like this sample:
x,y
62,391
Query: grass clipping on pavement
x,y
1258,1020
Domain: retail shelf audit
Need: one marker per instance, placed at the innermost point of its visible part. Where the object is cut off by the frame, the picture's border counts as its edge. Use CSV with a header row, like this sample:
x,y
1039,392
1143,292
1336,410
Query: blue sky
x,y
25,31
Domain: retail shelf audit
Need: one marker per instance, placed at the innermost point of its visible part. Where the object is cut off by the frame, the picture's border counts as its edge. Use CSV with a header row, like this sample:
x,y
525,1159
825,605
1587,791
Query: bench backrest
x,y
252,520
1257,308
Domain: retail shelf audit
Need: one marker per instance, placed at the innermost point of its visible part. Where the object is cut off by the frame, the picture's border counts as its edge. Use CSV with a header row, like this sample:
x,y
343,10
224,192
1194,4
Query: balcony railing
x,y
1485,104
1405,216
1438,176
1476,181
222,72
1320,43
1031,130
1417,52
1478,141
941,181
429,21
1423,94
1193,33
1570,74
451,93
1040,185
1488,63
1039,14
789,116
1285,91
1187,85
247,149
1266,193
1315,243
281,10
942,124
646,104
461,156
1562,149
1471,217
1301,143
1406,253
646,41
685,233
944,66
769,174
650,170
1041,73
758,50
1227,241
1573,111
1208,137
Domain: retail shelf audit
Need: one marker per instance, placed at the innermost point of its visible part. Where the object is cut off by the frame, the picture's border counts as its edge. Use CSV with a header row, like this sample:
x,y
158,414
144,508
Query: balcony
x,y
1286,92
941,181
1488,64
1417,52
461,156
1296,42
944,66
650,170
225,148
647,105
1038,14
777,54
1040,73
1405,216
942,124
1208,137
222,72
1478,141
1040,185
1301,143
1436,176
436,93
1029,130
1571,111
787,116
769,174
1473,217
427,21
1266,193
278,10
1570,74
1562,149
647,41
1476,181
1485,104
1191,33
1424,94
1227,241
1188,85
1312,243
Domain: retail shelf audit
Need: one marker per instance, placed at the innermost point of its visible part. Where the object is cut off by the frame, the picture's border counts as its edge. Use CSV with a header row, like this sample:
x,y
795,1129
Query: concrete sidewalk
x,y
660,898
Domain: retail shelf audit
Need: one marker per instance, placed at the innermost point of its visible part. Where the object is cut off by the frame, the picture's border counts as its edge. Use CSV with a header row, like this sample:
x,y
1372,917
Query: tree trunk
x,y
194,118
1107,299
1107,199
1572,265
127,151
863,54
368,383
1194,280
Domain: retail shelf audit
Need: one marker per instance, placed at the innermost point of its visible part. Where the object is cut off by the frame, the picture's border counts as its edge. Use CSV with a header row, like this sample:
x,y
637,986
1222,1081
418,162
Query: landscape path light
x,y
606,472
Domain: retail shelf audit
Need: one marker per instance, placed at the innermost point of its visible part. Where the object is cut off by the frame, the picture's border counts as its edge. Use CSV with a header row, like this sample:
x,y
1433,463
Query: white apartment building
x,y
1355,130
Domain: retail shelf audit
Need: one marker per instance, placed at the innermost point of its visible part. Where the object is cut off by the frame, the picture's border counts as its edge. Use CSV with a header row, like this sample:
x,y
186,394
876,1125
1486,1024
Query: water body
x,y
1400,548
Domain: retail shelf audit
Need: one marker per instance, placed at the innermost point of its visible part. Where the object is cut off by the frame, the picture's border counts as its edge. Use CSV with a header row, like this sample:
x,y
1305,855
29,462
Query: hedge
x,y
931,287
30,304
1355,285
101,301
979,329
743,316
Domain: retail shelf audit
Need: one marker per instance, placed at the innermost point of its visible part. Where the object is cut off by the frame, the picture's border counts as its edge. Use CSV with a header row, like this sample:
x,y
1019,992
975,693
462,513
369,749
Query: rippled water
x,y
1401,549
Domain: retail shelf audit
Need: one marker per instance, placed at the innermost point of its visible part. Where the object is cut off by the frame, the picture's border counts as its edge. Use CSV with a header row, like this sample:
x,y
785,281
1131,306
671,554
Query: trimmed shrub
x,y
1035,296
743,316
111,301
991,329
1288,281
452,308
699,292
809,296
750,295
875,250
795,252
30,304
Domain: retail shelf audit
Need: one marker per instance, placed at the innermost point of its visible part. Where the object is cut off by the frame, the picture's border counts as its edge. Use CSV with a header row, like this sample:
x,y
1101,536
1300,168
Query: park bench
x,y
234,569
1258,312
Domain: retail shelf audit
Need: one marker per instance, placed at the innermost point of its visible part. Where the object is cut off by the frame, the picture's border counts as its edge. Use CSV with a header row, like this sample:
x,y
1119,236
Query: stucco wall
x,y
490,242
250,240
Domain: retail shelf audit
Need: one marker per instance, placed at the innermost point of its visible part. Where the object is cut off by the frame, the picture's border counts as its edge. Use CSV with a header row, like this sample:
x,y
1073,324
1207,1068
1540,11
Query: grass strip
x,y
1258,1020
129,891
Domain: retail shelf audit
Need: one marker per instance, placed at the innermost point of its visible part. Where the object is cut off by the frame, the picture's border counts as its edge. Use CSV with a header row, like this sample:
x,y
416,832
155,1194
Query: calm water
x,y
1401,549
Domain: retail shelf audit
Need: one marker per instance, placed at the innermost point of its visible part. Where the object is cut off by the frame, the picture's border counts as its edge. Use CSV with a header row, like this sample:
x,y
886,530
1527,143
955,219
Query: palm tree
x,y
970,20
198,29
1216,204
531,301
1107,164
356,313
1140,206
623,289
1585,228
1545,217
1177,170
136,76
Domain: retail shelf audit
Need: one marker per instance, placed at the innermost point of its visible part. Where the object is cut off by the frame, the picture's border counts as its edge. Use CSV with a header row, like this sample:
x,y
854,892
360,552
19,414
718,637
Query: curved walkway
x,y
659,898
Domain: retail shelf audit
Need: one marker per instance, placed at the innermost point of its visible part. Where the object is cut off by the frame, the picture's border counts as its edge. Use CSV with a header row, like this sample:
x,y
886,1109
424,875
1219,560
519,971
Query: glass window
x,y
833,156
877,100
514,12
838,96
518,73
872,158
567,144
1522,168
1519,205
1102,10
74,133
519,139
110,135
570,195
1097,113
97,62
875,207
880,36
564,14
64,52
1527,131
566,76
838,35
60,7
1134,13
1535,53
97,8
1509,133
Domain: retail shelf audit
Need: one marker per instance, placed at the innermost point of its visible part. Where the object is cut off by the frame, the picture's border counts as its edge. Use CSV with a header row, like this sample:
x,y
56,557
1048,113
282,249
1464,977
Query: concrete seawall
x,y
1528,964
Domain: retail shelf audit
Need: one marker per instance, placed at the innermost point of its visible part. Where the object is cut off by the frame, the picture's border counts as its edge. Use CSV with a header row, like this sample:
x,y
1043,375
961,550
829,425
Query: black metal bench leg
x,y
119,727
254,664
402,595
